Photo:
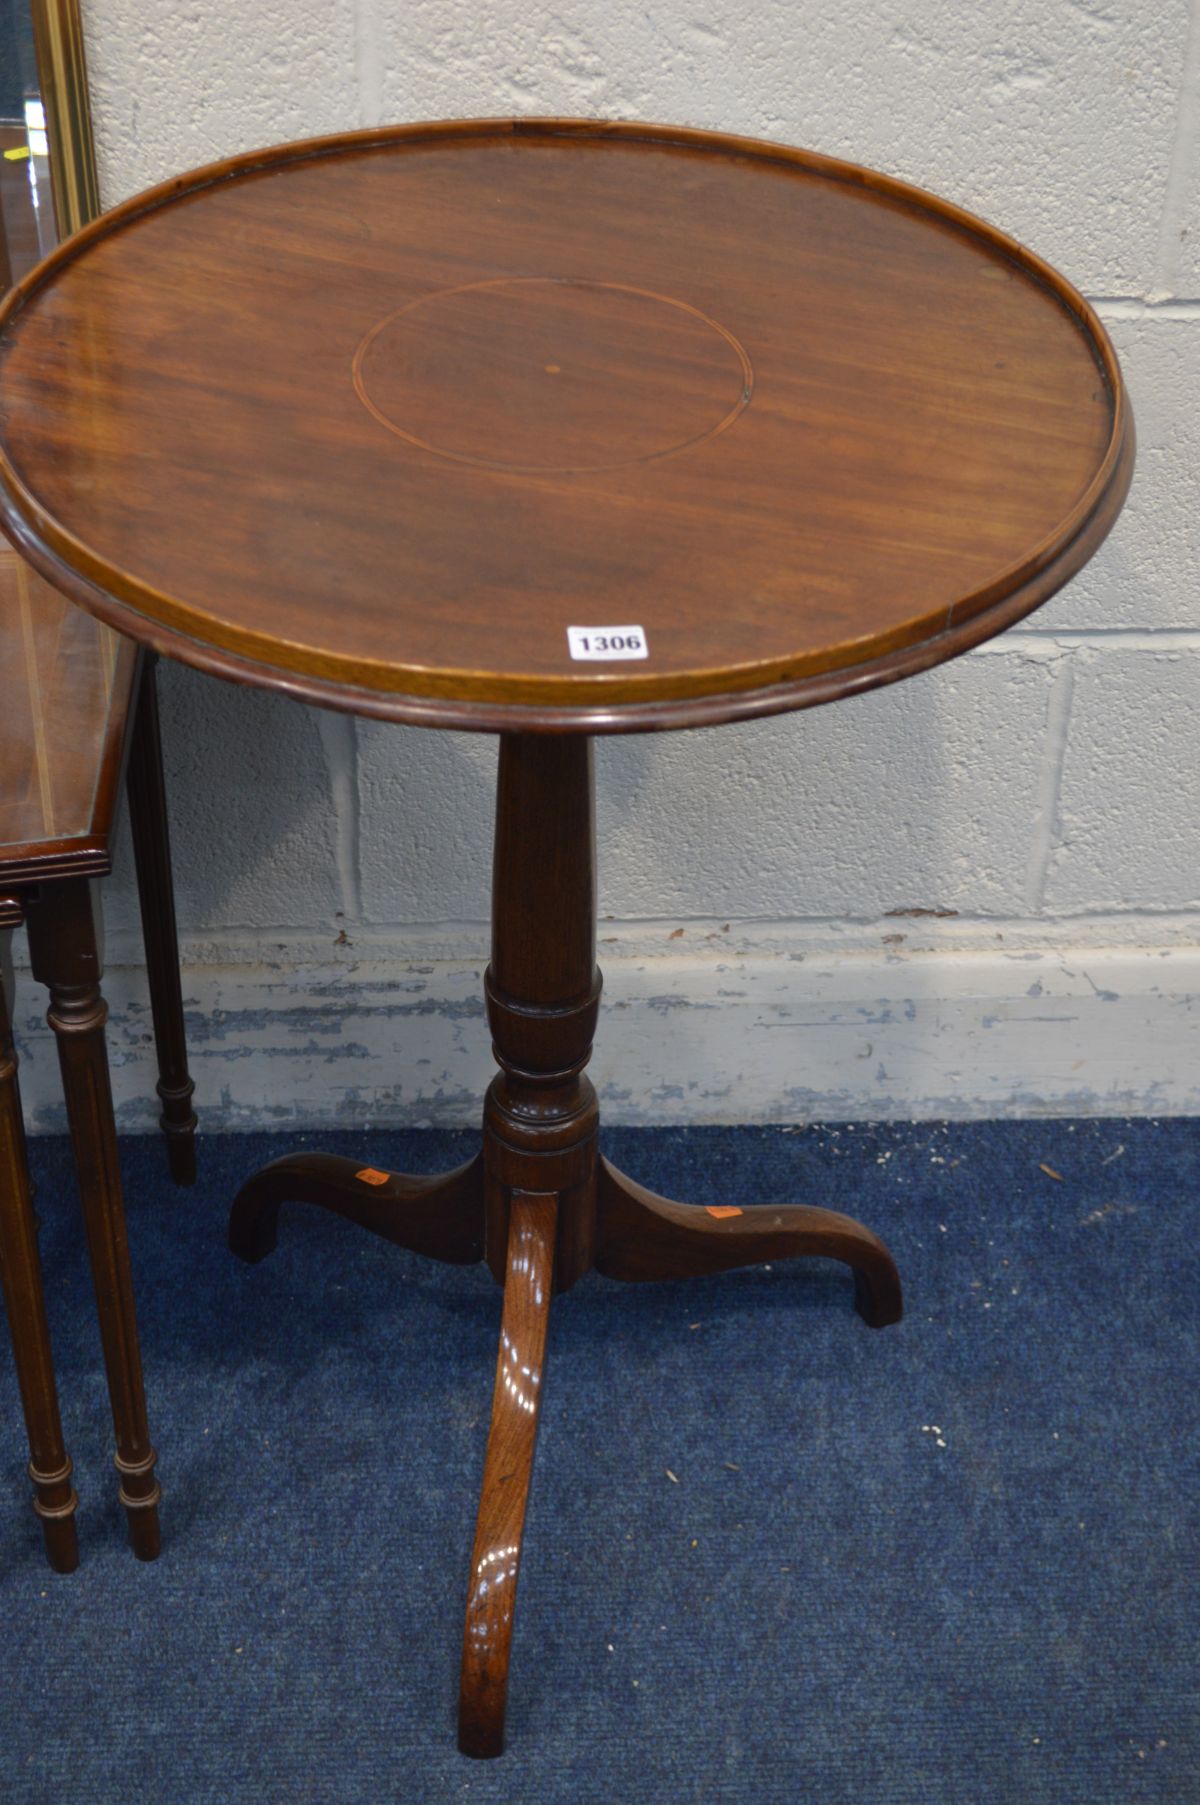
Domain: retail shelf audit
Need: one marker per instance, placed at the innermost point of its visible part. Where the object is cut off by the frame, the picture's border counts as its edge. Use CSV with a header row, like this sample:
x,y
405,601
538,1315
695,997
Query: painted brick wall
x,y
976,892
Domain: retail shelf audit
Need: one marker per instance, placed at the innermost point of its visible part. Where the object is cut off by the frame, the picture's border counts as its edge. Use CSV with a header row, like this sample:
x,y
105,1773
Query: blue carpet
x,y
955,1561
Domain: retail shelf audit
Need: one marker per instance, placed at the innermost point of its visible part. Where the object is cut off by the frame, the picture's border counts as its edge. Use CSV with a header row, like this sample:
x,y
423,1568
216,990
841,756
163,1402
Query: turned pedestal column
x,y
539,1203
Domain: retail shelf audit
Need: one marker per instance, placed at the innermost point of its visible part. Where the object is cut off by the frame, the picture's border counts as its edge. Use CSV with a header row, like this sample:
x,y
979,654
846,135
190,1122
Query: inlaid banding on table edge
x,y
558,382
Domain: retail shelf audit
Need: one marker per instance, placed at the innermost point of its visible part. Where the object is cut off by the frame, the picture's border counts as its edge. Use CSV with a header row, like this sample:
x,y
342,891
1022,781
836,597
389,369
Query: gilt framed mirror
x,y
48,190
47,158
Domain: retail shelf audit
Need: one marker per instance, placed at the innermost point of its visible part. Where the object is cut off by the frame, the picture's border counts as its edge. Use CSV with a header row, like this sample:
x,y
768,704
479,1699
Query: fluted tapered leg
x,y
64,945
20,1274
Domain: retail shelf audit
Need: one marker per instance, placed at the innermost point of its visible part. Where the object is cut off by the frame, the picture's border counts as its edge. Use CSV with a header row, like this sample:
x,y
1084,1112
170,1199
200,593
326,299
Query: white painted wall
x,y
765,888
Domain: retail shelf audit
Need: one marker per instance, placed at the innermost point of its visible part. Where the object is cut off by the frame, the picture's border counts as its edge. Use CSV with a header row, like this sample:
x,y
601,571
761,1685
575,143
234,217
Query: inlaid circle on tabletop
x,y
377,419
613,399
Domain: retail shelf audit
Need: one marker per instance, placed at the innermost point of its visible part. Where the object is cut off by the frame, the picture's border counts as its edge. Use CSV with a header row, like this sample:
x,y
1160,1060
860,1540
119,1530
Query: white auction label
x,y
607,642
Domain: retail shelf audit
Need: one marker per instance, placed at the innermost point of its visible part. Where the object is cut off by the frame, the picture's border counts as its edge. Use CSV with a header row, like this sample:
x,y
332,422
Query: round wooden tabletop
x,y
555,424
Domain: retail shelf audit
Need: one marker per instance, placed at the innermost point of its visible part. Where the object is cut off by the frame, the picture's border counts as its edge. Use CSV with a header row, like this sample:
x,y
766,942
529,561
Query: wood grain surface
x,y
507,1475
377,418
66,688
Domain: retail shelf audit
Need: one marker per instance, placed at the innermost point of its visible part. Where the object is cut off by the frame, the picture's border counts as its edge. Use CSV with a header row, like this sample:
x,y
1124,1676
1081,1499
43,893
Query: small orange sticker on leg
x,y
721,1210
369,1176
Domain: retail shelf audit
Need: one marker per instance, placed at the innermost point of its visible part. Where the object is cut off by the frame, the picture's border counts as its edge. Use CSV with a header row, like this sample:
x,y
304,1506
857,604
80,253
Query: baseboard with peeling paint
x,y
684,1037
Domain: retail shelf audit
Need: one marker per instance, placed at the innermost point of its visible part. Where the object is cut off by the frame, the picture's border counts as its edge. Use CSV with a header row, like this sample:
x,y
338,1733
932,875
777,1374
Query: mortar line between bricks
x,y
1135,307
1054,753
407,945
368,63
339,743
1184,148
1103,639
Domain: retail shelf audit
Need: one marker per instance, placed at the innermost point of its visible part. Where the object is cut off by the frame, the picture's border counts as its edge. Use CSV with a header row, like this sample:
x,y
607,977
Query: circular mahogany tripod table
x,y
377,420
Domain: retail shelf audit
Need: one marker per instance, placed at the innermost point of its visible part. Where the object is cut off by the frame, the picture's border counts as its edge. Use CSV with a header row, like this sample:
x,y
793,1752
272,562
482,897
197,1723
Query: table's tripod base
x,y
539,1204
638,1236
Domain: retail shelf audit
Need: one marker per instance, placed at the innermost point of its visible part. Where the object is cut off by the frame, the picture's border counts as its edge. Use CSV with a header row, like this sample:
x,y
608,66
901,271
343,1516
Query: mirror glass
x,y
26,200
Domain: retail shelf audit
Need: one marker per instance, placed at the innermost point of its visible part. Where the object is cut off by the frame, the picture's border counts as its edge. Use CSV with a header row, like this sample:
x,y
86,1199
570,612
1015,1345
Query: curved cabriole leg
x,y
508,1467
441,1217
63,943
156,896
20,1275
641,1236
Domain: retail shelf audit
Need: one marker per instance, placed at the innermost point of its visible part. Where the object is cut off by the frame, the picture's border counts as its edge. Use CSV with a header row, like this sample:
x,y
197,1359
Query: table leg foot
x,y
441,1216
508,1467
181,1143
59,1535
140,1494
641,1236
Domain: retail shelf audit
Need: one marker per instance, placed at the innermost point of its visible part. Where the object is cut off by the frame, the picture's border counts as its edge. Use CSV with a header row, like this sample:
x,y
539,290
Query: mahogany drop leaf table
x,y
553,428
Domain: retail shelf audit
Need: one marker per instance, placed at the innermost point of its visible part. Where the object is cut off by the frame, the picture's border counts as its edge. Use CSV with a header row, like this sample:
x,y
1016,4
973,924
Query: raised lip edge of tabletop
x,y
578,703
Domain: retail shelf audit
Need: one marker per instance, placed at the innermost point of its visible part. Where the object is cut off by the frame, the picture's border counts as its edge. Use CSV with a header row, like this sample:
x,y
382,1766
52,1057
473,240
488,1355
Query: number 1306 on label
x,y
607,642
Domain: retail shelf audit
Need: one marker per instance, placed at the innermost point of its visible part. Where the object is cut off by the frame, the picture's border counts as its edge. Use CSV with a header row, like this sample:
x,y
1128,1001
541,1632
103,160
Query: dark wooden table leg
x,y
64,945
507,1471
540,1127
156,895
441,1217
20,1273
641,1236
